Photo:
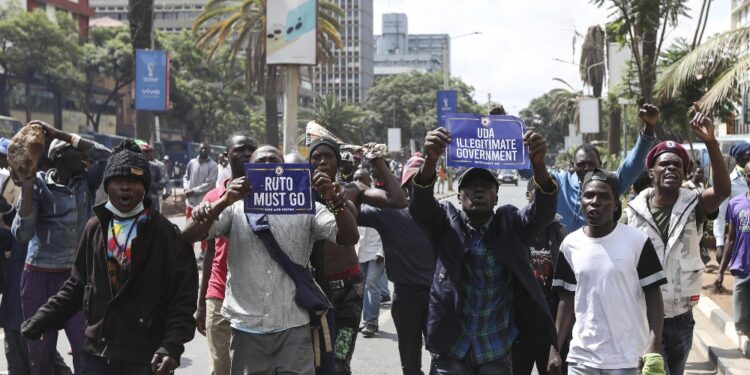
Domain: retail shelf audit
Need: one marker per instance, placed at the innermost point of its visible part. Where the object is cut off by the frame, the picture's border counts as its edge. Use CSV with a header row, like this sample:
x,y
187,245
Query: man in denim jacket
x,y
52,213
484,294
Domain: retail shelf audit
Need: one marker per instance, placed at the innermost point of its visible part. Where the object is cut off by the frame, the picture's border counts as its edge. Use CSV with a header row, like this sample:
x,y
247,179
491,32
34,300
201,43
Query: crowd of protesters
x,y
576,282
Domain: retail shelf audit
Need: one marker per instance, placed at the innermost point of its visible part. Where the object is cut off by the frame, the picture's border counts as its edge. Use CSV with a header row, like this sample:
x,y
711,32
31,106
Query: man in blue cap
x,y
741,154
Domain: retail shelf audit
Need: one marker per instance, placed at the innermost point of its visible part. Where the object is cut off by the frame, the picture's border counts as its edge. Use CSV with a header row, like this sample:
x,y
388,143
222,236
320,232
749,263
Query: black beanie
x,y
330,143
128,163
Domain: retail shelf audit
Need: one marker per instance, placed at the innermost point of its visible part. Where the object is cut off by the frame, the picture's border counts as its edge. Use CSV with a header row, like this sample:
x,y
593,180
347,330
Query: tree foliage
x,y
342,118
107,55
240,25
208,102
408,101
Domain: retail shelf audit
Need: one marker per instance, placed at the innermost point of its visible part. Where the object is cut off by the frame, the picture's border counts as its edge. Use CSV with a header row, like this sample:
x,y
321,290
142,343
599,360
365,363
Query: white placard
x,y
394,140
588,114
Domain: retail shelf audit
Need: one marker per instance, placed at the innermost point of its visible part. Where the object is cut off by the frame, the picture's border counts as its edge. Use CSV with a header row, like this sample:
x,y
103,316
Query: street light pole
x,y
446,86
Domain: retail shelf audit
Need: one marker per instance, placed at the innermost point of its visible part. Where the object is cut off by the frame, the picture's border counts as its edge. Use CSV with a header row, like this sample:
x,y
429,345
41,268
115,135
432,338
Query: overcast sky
x,y
513,57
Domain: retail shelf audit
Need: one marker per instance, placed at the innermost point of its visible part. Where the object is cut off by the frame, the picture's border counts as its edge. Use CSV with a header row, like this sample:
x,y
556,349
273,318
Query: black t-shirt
x,y
409,257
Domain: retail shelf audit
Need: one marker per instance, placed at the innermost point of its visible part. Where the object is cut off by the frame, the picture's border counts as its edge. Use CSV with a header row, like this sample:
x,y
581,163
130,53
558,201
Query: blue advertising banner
x,y
151,80
492,142
280,188
446,103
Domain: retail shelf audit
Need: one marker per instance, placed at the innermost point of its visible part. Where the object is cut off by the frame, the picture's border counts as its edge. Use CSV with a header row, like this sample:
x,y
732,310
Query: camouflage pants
x,y
347,304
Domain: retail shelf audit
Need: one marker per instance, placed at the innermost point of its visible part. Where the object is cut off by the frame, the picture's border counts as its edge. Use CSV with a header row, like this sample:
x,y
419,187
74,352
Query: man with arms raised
x,y
484,293
673,217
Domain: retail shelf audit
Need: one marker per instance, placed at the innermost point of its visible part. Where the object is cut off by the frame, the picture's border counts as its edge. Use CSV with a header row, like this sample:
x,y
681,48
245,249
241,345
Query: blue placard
x,y
446,103
492,142
151,80
280,188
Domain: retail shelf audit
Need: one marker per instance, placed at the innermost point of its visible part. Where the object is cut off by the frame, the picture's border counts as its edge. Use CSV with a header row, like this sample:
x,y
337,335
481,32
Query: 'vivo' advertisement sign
x,y
151,80
446,103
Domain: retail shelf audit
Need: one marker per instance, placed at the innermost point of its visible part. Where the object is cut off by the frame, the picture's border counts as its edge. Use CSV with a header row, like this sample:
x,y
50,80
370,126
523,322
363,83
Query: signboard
x,y
291,32
280,188
492,142
151,80
588,115
394,139
446,103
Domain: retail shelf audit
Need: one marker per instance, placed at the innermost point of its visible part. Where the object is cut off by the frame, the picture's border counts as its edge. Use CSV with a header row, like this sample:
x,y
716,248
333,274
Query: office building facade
x,y
169,15
399,52
350,73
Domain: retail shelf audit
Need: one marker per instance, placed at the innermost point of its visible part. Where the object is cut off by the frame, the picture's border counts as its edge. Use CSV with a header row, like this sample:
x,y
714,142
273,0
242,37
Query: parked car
x,y
508,176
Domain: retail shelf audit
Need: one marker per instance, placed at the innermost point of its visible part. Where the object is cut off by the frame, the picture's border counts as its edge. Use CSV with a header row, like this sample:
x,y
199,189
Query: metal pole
x,y
291,99
446,86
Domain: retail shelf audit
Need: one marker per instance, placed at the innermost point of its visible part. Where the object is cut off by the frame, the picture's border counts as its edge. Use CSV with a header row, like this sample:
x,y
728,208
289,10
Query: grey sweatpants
x,y
284,353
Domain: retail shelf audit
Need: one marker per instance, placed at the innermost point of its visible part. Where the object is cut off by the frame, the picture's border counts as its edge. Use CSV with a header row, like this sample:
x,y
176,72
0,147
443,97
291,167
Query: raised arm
x,y
538,214
634,162
703,128
392,197
423,206
24,224
206,213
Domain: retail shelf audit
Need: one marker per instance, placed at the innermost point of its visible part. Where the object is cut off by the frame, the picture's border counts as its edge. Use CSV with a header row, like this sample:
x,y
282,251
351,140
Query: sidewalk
x,y
715,336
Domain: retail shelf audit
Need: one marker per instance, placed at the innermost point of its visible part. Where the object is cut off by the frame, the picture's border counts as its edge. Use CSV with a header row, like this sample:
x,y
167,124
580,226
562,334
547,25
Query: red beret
x,y
668,146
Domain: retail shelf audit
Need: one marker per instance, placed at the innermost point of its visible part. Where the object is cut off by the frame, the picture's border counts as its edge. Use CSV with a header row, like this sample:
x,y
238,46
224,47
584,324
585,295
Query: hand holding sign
x,y
435,142
237,190
537,148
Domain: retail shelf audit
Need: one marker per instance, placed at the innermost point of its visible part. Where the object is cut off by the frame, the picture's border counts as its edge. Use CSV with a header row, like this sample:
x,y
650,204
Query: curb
x,y
714,336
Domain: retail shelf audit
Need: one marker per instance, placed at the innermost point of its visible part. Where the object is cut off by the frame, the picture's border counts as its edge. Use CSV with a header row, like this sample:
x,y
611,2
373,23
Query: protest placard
x,y
280,188
492,142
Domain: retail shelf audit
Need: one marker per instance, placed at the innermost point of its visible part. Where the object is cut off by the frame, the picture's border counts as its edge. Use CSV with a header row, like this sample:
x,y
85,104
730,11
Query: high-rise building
x,y
169,15
400,52
350,73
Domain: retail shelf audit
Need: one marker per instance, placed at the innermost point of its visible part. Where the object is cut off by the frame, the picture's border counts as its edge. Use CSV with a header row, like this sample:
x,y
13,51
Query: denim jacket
x,y
510,232
59,214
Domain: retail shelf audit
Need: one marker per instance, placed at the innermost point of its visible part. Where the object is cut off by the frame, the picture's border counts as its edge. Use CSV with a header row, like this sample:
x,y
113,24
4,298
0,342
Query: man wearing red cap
x,y
673,217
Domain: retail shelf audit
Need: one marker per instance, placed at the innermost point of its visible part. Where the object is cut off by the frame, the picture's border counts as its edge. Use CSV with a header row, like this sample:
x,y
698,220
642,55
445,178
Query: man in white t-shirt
x,y
608,275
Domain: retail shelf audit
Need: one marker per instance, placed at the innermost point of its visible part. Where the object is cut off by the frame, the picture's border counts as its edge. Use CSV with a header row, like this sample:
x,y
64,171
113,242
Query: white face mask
x,y
125,215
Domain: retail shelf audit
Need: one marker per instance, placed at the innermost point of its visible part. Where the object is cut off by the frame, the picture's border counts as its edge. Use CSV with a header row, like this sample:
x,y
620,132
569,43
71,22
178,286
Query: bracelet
x,y
428,186
74,139
541,190
333,209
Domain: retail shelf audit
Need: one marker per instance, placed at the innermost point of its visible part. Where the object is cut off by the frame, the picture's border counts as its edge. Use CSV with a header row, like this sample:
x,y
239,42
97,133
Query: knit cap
x,y
128,162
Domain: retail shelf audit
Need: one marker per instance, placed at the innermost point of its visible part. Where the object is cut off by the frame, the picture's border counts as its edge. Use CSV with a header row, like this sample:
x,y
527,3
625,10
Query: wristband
x,y
541,190
74,139
428,186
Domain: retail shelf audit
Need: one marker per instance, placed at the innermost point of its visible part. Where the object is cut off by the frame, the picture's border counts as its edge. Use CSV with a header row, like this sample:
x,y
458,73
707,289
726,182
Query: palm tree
x,y
339,117
722,55
242,24
592,59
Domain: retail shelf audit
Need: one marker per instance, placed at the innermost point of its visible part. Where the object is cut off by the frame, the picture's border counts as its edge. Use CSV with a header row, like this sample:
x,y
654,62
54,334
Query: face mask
x,y
125,215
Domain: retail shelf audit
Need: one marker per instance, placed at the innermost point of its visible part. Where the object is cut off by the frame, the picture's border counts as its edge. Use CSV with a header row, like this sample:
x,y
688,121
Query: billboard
x,y
446,103
291,32
151,80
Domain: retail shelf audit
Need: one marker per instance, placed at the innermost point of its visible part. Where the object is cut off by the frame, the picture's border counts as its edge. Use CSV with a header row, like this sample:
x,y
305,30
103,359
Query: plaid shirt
x,y
487,329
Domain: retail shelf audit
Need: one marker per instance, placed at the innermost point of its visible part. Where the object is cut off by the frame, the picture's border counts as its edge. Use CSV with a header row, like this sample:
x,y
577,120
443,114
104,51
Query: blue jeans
x,y
372,271
741,304
384,292
676,341
445,365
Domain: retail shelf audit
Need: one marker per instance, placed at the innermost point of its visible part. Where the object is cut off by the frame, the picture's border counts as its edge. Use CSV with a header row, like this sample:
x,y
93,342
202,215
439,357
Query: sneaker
x,y
369,330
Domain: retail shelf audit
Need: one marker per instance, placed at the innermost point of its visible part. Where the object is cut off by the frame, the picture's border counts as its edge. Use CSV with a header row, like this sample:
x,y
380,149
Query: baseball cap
x,y
411,168
477,172
609,179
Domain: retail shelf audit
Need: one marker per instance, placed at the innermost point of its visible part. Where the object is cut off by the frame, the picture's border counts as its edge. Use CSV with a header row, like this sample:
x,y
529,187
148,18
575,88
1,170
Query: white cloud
x,y
513,57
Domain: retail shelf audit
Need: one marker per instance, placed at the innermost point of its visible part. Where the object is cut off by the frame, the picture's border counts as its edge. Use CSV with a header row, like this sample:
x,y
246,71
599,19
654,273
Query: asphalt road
x,y
373,356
